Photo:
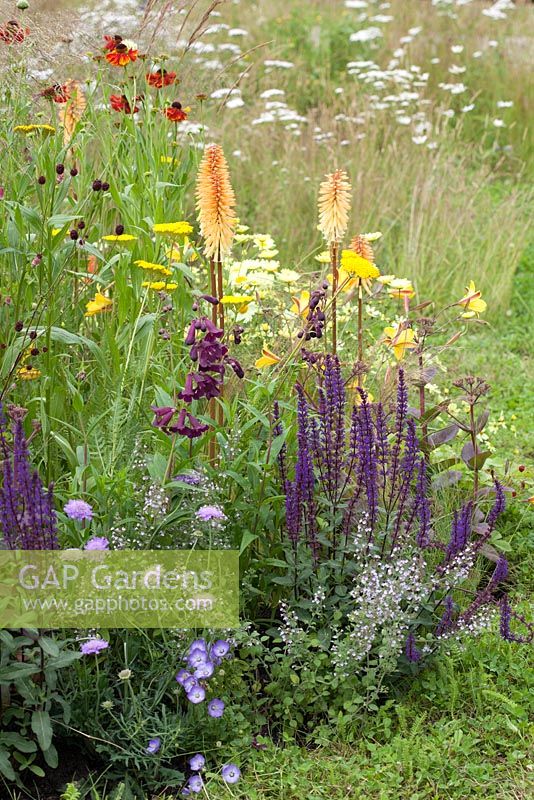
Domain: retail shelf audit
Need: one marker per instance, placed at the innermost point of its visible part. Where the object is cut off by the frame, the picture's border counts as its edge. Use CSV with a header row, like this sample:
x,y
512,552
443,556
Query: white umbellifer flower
x,y
272,93
366,35
457,48
504,103
499,123
279,64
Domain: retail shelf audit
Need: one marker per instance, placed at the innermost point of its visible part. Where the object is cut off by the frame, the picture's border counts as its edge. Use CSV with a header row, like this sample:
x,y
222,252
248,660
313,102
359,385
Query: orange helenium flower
x,y
122,53
215,203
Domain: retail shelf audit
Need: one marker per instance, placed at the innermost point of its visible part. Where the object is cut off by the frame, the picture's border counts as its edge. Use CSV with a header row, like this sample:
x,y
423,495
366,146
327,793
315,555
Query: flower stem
x,y
335,279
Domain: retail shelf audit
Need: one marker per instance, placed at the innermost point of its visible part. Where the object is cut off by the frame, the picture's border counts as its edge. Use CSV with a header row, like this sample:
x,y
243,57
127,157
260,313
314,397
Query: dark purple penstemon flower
x,y
162,416
188,425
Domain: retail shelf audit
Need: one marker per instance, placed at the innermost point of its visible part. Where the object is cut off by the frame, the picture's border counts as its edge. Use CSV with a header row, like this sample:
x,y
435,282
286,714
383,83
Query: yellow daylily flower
x,y
301,304
356,265
400,288
472,302
353,388
148,265
267,359
186,252
99,304
399,339
345,281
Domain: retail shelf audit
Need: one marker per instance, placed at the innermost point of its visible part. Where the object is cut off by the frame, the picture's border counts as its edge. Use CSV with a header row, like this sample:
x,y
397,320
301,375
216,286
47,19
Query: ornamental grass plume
x,y
334,206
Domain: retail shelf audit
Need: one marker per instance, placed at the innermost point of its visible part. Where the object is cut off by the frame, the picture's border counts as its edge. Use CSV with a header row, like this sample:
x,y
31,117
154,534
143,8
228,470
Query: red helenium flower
x,y
119,102
161,78
175,113
58,93
13,32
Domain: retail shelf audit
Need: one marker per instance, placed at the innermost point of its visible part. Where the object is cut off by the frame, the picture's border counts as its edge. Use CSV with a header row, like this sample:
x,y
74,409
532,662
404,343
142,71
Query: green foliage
x,y
32,700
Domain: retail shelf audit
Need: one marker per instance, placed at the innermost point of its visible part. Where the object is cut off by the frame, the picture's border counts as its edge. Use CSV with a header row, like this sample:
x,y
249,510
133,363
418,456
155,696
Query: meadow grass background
x,y
464,728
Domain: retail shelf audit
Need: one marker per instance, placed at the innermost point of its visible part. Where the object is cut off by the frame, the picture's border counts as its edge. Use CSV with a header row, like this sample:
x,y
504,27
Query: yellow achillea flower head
x,y
472,302
160,286
122,237
34,128
148,265
267,359
28,373
399,339
99,304
334,205
358,266
235,299
215,203
173,228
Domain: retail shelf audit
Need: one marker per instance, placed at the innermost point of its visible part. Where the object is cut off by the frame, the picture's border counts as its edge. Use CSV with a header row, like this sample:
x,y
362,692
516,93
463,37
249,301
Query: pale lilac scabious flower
x,y
230,773
215,708
78,509
97,543
153,746
93,646
197,763
210,513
